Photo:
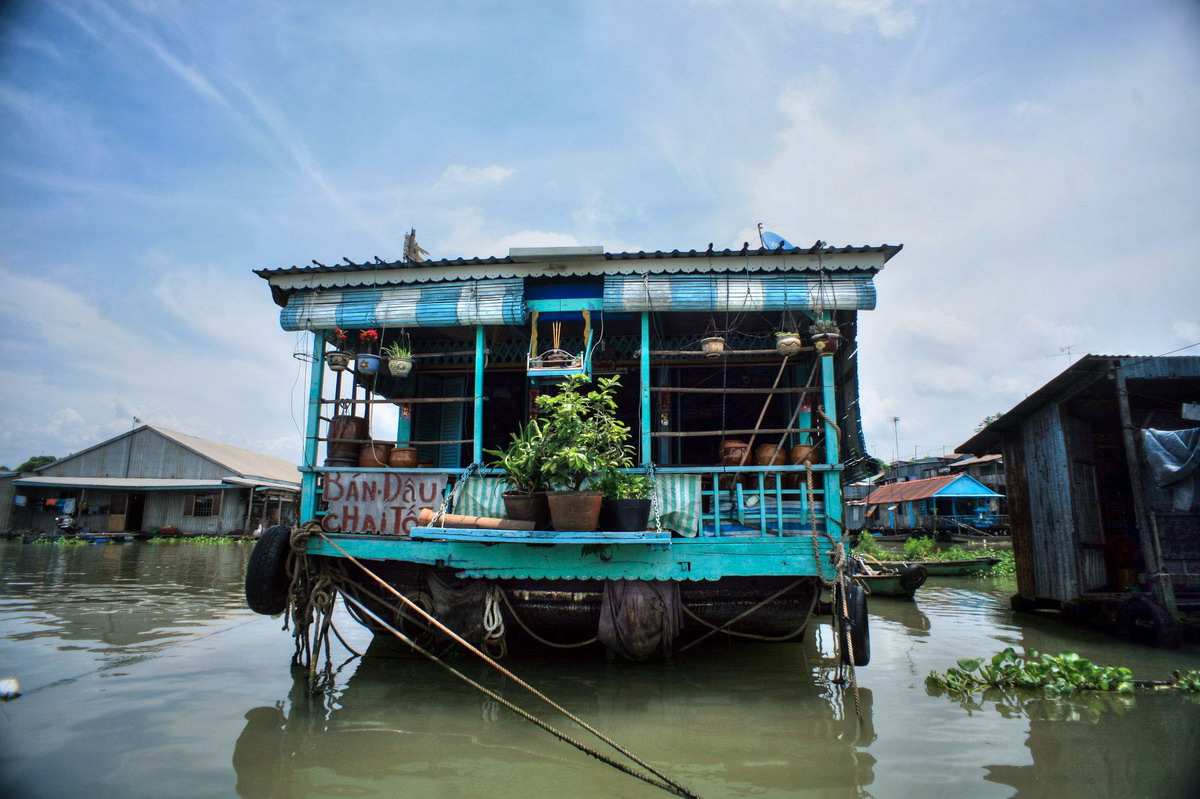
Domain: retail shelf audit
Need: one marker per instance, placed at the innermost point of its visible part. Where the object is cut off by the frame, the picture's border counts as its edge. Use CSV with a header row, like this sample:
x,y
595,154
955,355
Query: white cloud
x,y
891,18
494,175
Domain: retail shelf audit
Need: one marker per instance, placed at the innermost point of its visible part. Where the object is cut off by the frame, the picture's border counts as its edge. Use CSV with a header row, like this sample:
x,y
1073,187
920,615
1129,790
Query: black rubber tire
x,y
266,575
1144,621
913,577
856,630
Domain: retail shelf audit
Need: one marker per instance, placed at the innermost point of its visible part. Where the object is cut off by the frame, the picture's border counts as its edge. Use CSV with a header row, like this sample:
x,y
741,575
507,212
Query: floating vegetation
x,y
1055,675
926,549
220,540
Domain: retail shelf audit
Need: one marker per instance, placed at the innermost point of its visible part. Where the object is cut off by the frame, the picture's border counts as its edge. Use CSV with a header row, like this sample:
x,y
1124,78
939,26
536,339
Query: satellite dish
x,y
773,241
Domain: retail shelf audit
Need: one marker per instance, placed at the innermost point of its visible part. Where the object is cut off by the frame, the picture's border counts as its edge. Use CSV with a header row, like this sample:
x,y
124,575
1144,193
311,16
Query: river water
x,y
143,675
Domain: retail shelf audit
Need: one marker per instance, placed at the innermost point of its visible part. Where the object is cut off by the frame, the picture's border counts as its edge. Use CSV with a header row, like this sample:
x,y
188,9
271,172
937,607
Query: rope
x,y
665,784
751,636
534,635
741,615
493,623
679,789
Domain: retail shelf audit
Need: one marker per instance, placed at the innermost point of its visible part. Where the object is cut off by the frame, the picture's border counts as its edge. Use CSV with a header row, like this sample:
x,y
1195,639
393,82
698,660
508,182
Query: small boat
x,y
901,583
948,568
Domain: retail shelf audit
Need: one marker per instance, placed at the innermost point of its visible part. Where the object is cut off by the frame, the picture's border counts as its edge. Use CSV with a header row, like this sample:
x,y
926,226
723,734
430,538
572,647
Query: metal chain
x,y
650,472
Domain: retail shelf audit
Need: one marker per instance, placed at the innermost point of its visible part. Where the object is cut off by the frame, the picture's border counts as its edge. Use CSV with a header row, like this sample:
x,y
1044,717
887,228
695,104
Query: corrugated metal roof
x,y
550,263
139,483
921,489
1089,367
242,461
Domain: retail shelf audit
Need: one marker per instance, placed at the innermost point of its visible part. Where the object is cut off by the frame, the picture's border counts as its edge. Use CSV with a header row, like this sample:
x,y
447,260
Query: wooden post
x,y
308,480
1160,584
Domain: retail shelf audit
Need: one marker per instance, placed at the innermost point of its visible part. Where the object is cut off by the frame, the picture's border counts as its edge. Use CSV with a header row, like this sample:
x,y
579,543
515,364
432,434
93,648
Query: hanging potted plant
x,y
521,462
399,356
826,337
367,362
713,346
788,342
581,436
339,359
627,503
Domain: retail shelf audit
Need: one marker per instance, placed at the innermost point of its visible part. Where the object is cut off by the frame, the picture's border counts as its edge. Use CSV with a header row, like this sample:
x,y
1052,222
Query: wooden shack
x,y
1095,534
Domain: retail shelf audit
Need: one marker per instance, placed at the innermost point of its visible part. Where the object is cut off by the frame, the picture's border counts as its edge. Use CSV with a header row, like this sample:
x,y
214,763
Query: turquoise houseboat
x,y
747,434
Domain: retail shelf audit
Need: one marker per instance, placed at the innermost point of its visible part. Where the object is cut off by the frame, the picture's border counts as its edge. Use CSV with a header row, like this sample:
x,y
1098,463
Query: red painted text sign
x,y
379,503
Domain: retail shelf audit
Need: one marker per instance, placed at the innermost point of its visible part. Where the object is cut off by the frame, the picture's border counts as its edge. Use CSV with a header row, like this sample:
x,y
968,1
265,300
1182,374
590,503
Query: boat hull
x,y
567,613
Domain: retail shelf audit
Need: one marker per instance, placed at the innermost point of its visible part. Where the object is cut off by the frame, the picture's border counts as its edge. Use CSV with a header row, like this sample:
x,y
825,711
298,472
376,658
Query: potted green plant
x,y
338,359
521,462
399,356
627,503
581,436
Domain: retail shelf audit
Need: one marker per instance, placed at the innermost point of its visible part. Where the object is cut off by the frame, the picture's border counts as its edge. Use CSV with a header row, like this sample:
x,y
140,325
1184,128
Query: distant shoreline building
x,y
151,478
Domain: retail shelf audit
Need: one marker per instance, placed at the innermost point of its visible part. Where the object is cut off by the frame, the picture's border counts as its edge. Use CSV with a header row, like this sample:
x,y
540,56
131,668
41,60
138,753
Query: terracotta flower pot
x,y
577,511
527,508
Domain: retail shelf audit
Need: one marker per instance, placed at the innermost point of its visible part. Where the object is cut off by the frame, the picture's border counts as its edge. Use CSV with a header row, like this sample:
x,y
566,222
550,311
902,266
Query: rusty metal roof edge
x,y
888,250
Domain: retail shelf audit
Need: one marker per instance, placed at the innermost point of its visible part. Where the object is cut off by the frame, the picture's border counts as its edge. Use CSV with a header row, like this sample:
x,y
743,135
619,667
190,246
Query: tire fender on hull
x,y
266,576
854,626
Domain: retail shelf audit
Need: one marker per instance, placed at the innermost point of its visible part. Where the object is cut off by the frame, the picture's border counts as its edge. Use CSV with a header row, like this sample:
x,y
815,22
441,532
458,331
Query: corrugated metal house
x,y
931,504
1091,529
151,478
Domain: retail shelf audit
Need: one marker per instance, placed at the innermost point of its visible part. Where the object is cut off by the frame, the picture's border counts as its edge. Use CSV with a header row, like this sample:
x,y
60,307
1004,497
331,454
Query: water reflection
x,y
396,720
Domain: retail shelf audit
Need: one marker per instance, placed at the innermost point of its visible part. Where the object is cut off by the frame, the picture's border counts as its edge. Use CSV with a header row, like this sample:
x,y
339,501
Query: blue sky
x,y
1039,160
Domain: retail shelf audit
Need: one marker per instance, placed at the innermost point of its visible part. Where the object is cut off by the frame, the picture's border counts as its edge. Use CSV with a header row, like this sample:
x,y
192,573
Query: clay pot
x,y
346,434
826,343
731,452
374,456
788,343
803,453
768,455
577,511
403,458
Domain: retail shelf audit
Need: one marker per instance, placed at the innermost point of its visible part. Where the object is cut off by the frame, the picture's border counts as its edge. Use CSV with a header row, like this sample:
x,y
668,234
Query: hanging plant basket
x,y
400,367
788,343
826,343
339,360
367,363
712,346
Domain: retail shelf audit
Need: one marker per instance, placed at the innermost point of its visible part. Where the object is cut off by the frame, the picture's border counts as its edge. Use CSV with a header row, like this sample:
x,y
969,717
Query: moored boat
x,y
745,451
948,568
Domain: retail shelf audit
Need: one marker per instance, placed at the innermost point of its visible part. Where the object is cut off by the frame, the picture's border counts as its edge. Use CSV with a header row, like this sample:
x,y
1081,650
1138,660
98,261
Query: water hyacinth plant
x,y
1056,675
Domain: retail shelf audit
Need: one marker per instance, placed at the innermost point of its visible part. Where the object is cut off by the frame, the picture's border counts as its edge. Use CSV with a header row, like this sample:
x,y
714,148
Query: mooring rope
x,y
674,787
535,636
666,784
741,615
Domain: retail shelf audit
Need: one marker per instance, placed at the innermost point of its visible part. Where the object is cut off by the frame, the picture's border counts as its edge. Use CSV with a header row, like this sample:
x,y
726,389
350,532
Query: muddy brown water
x,y
143,675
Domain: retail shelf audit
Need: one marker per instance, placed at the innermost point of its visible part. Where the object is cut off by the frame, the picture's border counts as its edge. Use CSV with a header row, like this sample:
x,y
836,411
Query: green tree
x,y
35,462
986,421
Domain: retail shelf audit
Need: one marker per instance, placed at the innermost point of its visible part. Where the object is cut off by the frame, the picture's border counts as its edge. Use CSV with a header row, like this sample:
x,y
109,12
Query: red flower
x,y
339,334
368,336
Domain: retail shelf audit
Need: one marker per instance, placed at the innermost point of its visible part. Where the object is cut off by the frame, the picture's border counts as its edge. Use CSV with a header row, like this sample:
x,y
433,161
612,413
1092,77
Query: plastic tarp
x,y
1172,455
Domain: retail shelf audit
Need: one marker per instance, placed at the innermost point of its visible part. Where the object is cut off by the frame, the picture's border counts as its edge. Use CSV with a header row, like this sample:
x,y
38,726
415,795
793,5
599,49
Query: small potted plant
x,y
627,502
787,342
338,359
521,462
367,361
399,356
826,337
